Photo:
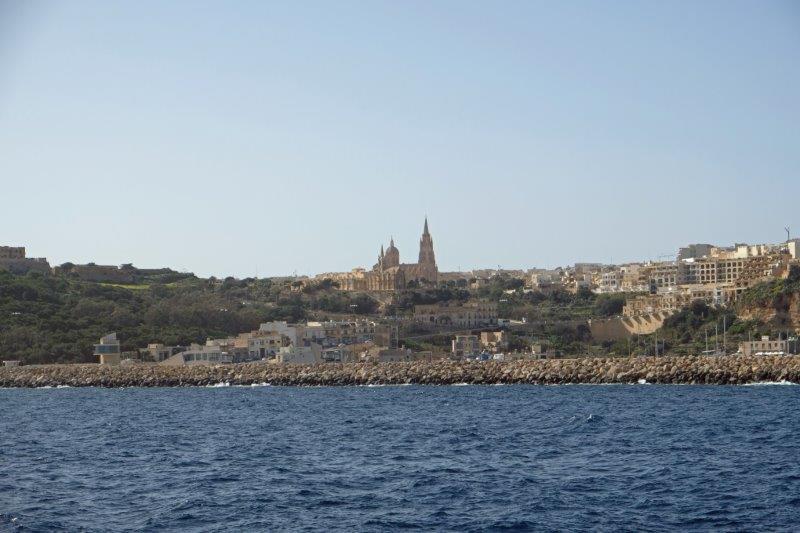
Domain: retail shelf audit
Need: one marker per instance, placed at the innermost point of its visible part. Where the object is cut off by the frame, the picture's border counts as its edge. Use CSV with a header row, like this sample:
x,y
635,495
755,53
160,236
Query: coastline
x,y
723,370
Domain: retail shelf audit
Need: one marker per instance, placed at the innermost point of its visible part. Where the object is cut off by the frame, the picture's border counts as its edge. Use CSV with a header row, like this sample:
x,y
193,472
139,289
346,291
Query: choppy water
x,y
644,458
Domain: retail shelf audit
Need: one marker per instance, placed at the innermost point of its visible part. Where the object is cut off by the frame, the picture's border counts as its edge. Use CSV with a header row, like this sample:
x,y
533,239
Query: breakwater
x,y
728,370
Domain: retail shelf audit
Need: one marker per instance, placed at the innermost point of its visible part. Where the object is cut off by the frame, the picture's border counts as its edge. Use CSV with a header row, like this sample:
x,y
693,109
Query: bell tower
x,y
427,259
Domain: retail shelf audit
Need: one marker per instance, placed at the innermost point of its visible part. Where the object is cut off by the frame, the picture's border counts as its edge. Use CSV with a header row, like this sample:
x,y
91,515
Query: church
x,y
389,274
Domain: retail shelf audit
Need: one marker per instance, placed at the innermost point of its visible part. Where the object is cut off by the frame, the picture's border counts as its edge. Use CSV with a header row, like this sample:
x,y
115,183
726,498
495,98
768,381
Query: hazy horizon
x,y
260,138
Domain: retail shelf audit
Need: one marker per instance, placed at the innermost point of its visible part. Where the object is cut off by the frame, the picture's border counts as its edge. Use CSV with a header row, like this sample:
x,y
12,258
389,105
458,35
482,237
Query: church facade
x,y
389,274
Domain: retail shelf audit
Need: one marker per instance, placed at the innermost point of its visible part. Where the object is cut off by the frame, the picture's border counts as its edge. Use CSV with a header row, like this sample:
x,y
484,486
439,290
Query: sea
x,y
433,458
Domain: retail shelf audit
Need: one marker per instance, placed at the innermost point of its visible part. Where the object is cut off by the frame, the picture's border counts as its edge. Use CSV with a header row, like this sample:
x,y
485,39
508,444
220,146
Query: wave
x,y
769,383
220,384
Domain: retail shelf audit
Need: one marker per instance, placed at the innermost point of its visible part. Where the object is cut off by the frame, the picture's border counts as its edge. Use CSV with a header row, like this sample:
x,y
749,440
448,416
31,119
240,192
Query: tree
x,y
609,304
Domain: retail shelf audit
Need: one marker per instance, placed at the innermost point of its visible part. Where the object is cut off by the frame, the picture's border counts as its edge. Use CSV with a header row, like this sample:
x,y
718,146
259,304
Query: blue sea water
x,y
472,458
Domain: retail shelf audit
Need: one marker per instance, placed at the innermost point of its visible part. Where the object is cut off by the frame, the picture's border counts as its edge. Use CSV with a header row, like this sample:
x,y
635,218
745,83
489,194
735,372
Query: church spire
x,y
426,255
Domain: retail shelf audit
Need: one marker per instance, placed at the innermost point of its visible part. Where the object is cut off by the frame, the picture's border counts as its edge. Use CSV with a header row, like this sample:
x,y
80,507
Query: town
x,y
481,314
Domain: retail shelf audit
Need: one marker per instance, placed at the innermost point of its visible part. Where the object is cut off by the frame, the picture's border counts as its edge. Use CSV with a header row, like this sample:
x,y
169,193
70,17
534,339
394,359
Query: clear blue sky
x,y
225,137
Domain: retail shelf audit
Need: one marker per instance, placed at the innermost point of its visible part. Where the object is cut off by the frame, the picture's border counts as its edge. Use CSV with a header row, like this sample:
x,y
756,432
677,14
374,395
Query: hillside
x,y
47,319
776,302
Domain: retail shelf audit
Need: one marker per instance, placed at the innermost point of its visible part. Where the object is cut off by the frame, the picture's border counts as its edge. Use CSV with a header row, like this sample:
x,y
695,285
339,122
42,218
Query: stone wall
x,y
620,328
23,266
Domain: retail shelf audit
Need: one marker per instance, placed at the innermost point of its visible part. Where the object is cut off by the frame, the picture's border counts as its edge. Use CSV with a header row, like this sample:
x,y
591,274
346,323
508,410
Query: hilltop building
x,y
389,274
13,259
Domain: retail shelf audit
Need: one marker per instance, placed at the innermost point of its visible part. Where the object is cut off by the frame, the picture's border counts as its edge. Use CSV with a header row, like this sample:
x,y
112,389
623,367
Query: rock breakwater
x,y
729,370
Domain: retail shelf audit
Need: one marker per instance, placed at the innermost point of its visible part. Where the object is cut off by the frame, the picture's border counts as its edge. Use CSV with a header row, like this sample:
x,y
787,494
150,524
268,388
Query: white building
x,y
198,354
282,327
765,346
300,355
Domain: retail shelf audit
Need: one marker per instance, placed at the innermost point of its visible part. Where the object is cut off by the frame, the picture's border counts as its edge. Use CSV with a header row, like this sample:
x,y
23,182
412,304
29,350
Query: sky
x,y
267,138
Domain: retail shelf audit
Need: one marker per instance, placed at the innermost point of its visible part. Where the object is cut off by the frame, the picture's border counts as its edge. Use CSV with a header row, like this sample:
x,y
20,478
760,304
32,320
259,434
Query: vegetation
x,y
47,319
58,318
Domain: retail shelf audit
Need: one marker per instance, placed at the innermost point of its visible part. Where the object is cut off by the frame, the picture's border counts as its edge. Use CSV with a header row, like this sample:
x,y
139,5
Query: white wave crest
x,y
769,383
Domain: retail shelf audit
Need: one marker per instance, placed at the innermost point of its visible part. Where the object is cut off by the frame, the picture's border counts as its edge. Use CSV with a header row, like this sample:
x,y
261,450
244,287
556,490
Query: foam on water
x,y
768,383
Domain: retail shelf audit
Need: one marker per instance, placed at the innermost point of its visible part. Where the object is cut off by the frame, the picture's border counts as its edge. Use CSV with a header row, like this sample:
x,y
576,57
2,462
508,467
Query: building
x,y
694,251
288,330
743,271
466,346
338,332
765,346
609,280
467,315
300,355
13,259
108,350
10,363
543,279
587,268
389,274
265,344
335,355
198,354
386,335
333,333
99,273
157,352
494,341
235,347
12,252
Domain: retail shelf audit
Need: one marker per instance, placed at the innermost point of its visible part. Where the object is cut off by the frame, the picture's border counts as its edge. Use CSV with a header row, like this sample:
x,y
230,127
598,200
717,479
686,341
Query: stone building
x,y
765,346
466,346
13,259
467,315
494,341
99,273
389,274
12,252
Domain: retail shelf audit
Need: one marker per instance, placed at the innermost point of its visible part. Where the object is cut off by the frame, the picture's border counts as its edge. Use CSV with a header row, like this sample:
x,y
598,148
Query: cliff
x,y
783,310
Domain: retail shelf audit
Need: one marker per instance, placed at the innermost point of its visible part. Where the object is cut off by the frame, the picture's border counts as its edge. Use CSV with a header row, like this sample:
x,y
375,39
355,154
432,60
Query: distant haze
x,y
243,138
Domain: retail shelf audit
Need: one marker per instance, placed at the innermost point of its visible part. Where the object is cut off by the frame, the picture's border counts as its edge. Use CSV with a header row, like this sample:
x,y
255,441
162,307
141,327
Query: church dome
x,y
392,256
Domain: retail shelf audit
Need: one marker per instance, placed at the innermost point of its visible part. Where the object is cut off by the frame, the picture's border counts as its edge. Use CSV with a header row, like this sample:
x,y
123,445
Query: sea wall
x,y
688,370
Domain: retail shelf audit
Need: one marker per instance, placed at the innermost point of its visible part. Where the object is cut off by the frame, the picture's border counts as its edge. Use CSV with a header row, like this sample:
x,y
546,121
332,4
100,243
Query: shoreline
x,y
685,370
